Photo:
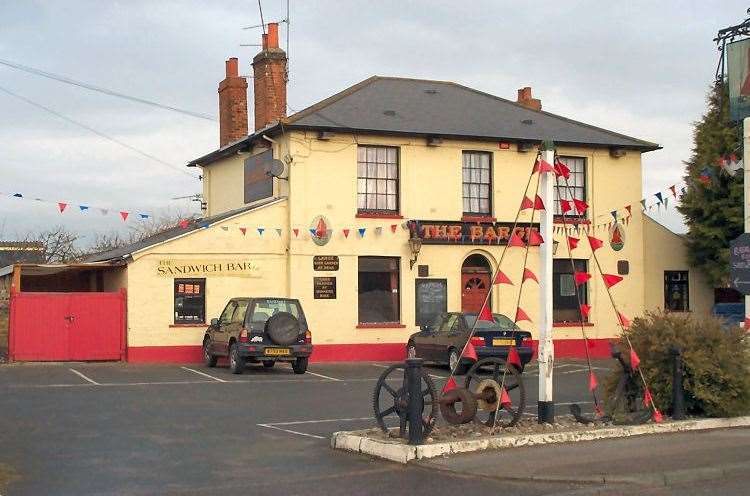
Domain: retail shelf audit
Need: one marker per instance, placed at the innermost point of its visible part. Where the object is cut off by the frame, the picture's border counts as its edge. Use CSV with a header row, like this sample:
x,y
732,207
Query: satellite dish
x,y
276,168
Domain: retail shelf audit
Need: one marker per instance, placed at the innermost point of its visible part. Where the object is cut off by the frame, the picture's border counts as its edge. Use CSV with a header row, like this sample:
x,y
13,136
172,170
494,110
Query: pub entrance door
x,y
475,283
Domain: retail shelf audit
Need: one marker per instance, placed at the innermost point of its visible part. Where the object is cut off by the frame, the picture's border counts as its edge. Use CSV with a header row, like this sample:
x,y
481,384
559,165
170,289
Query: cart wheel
x,y
484,379
393,400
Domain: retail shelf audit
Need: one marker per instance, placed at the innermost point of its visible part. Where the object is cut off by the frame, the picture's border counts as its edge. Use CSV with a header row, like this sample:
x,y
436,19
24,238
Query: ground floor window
x,y
378,290
676,291
565,302
189,301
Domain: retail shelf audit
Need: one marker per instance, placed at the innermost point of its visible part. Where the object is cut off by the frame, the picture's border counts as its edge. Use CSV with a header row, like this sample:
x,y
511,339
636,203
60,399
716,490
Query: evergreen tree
x,y
713,211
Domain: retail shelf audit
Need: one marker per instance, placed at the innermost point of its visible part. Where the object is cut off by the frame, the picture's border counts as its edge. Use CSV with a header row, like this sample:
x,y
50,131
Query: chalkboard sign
x,y
739,263
431,299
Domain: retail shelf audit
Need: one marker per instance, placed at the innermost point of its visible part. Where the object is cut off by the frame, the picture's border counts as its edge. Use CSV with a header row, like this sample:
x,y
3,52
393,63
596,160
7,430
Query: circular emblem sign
x,y
617,237
320,230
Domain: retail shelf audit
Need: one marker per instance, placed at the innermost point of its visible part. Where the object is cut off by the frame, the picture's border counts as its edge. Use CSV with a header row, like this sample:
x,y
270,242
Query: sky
x,y
639,68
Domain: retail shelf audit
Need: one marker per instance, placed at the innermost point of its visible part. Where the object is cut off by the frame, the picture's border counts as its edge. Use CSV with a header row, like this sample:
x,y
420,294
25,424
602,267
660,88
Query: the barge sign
x,y
468,233
207,268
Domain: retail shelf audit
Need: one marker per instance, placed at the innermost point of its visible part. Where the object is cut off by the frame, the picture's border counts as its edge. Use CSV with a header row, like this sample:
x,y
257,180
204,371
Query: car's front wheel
x,y
300,365
208,358
454,362
236,362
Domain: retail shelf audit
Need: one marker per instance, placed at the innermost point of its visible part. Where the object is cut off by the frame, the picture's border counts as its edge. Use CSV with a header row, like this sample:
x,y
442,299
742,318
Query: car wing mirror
x,y
215,322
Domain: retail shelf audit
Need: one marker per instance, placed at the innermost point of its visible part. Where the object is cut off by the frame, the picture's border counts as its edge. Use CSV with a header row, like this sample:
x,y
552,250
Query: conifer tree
x,y
713,208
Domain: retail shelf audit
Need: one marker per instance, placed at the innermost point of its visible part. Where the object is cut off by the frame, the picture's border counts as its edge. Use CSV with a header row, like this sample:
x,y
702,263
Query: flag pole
x,y
546,351
746,188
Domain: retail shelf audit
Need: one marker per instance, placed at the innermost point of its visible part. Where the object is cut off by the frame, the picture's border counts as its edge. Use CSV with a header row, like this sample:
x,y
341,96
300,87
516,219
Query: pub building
x,y
382,205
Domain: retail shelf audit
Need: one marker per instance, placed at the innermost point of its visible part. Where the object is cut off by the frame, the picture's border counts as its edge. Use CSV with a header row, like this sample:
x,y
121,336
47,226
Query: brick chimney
x,y
232,105
525,99
269,85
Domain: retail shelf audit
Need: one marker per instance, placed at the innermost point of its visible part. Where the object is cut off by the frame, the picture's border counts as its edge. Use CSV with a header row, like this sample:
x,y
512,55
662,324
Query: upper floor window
x,y
676,291
477,182
377,179
575,185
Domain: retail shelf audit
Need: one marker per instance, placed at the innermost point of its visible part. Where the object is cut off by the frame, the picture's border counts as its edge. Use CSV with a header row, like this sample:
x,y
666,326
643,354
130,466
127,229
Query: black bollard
x,y
416,402
678,393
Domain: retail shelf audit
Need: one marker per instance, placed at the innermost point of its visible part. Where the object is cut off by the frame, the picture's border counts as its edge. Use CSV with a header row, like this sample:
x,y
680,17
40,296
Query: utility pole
x,y
746,188
546,351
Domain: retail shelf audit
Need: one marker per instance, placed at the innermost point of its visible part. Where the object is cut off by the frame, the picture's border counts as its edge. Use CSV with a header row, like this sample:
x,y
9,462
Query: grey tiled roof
x,y
194,225
445,109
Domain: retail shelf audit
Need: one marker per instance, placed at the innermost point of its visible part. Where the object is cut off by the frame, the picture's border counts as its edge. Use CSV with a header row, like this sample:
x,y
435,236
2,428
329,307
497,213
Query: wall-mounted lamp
x,y
555,244
415,244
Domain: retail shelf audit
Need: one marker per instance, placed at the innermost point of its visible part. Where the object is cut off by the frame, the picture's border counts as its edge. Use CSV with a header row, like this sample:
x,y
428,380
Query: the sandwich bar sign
x,y
468,233
208,268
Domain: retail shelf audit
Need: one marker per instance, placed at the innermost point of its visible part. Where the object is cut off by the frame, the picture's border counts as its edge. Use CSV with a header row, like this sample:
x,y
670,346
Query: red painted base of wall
x,y
380,352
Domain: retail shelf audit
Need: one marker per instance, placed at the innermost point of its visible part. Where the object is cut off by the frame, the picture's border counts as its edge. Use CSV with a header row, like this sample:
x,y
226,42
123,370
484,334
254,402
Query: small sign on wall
x,y
326,263
324,288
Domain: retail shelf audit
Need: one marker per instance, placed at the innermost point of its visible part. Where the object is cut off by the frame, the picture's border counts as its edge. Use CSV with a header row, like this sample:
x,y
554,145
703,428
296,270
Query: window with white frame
x,y
477,182
575,187
377,179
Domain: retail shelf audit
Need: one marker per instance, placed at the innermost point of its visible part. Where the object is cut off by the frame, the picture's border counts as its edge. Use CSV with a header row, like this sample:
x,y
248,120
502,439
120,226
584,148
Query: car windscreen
x,y
501,323
265,308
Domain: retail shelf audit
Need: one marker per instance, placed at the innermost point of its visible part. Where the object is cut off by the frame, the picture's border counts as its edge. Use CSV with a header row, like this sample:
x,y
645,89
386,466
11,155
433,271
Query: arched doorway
x,y
475,283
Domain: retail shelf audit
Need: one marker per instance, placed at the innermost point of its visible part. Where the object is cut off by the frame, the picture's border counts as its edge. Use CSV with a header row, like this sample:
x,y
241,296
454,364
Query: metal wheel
x,y
388,400
484,379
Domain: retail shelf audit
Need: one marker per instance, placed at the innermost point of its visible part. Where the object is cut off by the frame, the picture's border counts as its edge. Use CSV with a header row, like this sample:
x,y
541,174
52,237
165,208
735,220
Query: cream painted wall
x,y
150,296
667,251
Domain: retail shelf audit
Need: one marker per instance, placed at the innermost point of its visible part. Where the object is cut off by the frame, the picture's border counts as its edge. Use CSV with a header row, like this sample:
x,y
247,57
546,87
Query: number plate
x,y
278,351
502,342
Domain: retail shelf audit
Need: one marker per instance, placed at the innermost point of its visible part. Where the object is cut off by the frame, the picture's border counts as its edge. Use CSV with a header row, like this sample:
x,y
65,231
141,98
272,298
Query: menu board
x,y
431,299
324,288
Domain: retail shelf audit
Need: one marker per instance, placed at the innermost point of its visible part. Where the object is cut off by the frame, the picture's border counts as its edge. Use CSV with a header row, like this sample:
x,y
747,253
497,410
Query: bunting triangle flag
x,y
505,399
528,274
260,231
501,278
378,231
314,233
184,223
647,398
659,197
611,279
225,228
278,231
614,214
658,417
592,381
538,203
243,230
595,243
580,205
450,385
83,208
543,167
521,315
104,211
629,208
581,277
673,189
513,357
62,206
526,203
296,232
585,310
635,362
143,216
361,231
346,232
565,206
18,195
515,240
393,228
486,314
124,215
535,239
470,352
666,201
573,242
562,170
624,321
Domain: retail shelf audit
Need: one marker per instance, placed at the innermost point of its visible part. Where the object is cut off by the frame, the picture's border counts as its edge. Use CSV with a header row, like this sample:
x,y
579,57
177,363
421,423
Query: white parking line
x,y
203,374
434,376
299,422
92,381
324,376
314,436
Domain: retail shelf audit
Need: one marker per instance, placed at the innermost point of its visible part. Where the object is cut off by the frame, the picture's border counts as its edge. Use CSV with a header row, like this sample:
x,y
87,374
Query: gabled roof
x,y
123,252
445,109
427,108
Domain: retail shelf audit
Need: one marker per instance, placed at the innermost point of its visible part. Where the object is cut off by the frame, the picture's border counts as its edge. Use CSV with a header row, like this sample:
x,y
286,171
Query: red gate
x,y
67,326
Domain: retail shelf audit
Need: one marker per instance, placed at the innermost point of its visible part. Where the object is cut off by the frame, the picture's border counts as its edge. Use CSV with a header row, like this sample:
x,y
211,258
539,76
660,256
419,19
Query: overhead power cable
x,y
97,132
99,89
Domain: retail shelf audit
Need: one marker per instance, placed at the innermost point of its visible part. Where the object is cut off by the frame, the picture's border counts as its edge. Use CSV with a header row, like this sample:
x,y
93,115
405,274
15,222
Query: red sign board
x,y
450,233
